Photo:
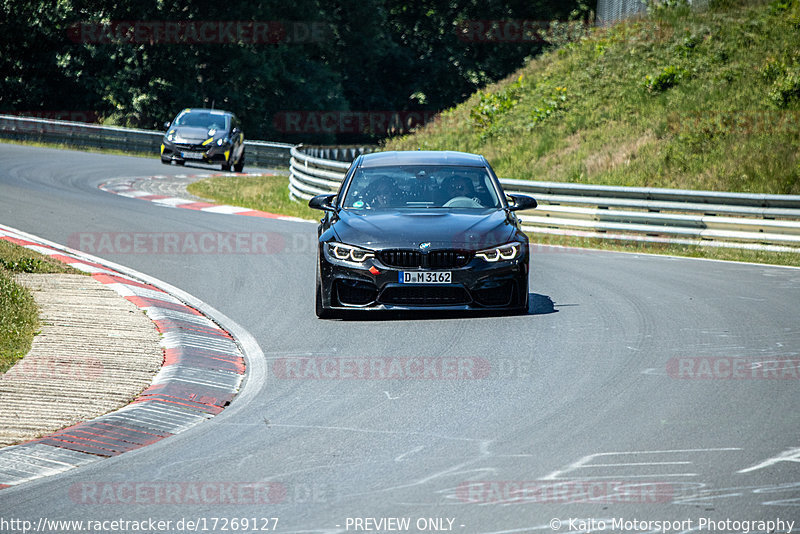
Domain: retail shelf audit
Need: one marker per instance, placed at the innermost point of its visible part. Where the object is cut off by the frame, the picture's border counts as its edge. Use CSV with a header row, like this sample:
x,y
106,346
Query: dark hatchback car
x,y
204,136
421,230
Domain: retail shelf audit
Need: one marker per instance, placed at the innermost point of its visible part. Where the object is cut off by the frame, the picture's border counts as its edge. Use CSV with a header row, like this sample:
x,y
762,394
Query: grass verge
x,y
265,193
19,316
670,249
270,193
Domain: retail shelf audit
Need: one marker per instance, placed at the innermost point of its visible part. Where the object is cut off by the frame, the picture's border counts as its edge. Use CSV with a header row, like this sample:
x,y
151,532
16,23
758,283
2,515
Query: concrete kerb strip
x,y
95,352
204,369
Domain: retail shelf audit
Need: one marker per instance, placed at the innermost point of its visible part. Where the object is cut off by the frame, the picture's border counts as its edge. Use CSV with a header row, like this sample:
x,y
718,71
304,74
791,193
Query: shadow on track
x,y
205,167
540,304
537,305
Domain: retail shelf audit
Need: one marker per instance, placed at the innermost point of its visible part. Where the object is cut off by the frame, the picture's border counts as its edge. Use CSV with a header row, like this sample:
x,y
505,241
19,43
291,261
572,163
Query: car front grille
x,y
190,147
425,296
435,259
448,259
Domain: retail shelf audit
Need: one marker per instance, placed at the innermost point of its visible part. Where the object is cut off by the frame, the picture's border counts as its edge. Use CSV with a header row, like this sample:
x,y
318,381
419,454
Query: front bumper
x,y
195,153
478,285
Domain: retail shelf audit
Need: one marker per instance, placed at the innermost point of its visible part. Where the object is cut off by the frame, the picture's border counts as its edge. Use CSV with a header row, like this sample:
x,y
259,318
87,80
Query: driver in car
x,y
381,193
459,187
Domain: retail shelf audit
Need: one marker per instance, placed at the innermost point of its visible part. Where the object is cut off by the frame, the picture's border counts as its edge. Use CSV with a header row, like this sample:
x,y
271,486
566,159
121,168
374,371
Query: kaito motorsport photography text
x,y
703,524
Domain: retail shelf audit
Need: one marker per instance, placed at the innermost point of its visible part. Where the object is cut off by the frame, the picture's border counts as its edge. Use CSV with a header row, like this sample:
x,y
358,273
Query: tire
x,y
239,165
319,309
165,161
522,310
226,167
181,163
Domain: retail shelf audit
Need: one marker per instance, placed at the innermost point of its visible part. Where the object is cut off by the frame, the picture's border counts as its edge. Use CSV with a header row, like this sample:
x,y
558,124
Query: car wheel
x,y
321,311
165,161
523,309
181,163
226,167
239,165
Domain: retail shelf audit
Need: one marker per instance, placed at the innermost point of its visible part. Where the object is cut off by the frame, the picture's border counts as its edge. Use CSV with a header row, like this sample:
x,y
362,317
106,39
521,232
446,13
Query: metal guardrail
x,y
626,212
337,153
258,153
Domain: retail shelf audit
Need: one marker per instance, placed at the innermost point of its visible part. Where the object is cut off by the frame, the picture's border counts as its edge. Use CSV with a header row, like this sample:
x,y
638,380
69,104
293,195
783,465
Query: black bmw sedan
x,y
421,230
208,136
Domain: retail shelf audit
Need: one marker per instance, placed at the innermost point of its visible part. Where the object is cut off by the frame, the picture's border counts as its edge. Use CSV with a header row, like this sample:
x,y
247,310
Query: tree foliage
x,y
372,55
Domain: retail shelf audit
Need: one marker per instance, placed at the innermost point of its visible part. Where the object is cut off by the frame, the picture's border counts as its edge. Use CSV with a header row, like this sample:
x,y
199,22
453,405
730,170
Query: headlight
x,y
220,141
171,138
349,253
503,252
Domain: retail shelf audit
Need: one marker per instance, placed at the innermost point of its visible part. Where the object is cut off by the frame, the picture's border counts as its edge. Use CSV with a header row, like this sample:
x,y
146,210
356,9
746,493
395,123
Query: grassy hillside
x,y
689,99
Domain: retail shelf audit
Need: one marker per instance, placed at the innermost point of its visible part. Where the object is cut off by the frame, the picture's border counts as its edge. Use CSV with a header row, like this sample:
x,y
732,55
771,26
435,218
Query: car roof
x,y
421,157
206,110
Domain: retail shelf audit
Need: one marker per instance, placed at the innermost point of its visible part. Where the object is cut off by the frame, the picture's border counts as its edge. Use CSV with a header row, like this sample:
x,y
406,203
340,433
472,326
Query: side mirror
x,y
322,202
521,202
166,125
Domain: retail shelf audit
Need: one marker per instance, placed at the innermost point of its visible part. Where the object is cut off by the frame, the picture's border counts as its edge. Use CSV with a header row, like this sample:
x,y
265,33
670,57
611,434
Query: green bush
x,y
689,43
774,69
785,90
490,106
552,105
669,76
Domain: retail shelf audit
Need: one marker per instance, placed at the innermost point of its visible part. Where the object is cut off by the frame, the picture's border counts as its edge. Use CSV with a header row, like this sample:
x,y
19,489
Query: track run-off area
x,y
638,388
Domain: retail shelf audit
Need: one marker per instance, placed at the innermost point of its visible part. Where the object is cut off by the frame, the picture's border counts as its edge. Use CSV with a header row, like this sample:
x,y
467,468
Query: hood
x,y
189,134
442,228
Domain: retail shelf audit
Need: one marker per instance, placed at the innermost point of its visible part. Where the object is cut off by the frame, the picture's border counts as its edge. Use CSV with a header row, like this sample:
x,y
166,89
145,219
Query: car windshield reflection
x,y
202,119
421,186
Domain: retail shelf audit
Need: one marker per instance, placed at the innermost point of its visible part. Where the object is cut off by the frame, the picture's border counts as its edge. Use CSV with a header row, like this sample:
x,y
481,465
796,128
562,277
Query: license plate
x,y
425,277
192,155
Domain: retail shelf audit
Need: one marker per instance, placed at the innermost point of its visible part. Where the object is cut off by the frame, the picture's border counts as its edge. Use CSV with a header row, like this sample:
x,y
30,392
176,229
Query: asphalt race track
x,y
584,388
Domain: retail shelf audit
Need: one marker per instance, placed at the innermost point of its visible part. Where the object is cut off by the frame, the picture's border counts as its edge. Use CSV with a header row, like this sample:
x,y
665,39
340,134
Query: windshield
x,y
203,119
421,186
